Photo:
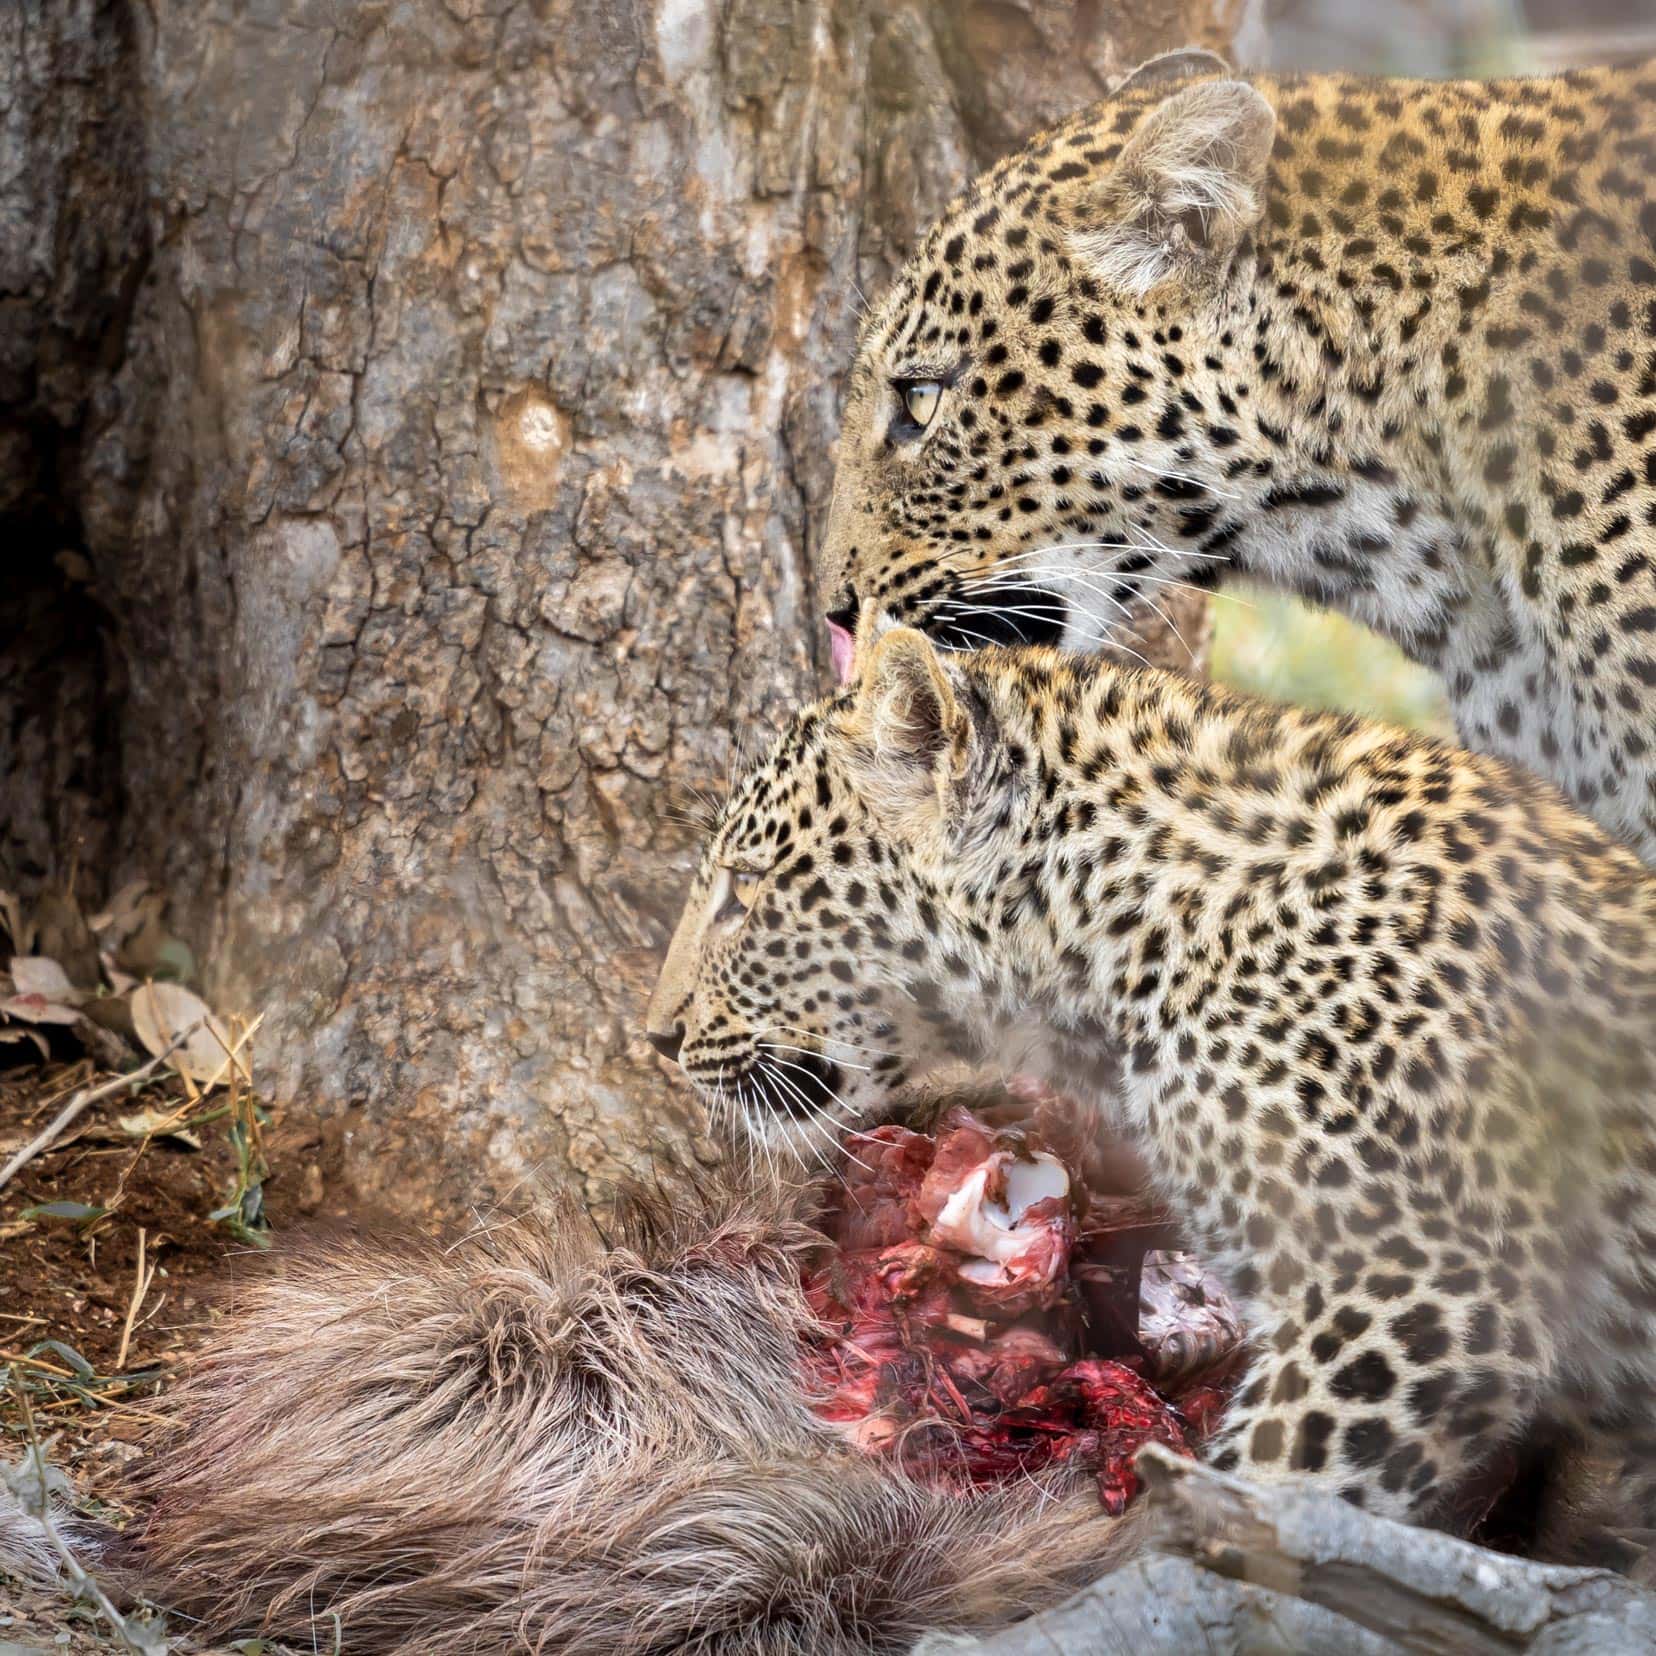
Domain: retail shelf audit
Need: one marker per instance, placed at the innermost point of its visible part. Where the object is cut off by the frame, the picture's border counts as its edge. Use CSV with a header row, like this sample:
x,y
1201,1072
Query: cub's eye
x,y
736,894
920,399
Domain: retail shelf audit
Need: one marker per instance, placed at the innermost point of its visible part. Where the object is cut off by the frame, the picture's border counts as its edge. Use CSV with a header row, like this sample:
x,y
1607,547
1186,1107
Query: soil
x,y
73,1282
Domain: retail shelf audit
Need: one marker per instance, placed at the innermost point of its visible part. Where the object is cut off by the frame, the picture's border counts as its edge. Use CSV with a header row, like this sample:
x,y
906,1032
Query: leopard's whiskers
x,y
843,1040
784,1046
1179,477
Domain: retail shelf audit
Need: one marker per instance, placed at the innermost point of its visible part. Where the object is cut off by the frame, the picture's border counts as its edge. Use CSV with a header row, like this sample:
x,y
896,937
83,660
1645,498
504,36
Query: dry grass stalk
x,y
140,1287
181,1119
21,1361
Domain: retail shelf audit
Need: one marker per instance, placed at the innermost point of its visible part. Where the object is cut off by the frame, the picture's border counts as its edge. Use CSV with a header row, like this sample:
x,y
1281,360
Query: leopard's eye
x,y
735,894
920,400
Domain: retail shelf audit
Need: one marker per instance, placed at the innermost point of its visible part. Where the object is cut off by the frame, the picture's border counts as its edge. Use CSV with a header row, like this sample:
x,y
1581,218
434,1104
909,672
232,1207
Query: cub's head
x,y
1043,418
800,991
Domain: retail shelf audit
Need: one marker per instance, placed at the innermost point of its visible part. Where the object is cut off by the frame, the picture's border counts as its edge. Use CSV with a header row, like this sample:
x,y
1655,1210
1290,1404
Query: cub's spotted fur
x,y
1387,344
1380,1014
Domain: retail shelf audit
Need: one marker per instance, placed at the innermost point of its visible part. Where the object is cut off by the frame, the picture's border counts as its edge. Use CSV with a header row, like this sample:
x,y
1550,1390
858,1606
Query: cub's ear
x,y
1187,187
907,709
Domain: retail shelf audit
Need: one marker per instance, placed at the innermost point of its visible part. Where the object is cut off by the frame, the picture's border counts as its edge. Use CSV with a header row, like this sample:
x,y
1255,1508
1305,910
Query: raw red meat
x,y
986,1314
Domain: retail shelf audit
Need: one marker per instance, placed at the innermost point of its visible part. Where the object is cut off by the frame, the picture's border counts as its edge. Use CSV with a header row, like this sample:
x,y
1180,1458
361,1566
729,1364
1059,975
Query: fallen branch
x,y
1236,1567
60,1123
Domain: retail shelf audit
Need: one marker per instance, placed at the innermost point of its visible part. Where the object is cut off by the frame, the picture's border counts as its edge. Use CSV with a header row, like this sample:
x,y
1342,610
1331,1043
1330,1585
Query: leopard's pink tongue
x,y
843,648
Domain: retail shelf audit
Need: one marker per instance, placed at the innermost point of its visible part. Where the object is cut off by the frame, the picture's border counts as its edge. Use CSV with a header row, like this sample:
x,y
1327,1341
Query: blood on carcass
x,y
984,1314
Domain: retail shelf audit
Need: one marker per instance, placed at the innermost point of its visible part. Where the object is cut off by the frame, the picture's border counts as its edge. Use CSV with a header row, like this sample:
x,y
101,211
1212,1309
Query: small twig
x,y
76,1400
233,1051
140,1286
76,1070
89,1095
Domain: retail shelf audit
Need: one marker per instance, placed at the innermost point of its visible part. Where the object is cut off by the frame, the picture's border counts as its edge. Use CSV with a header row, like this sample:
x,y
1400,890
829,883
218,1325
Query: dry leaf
x,y
61,931
36,1009
124,915
112,1050
113,1012
41,975
76,566
140,950
163,1011
150,1123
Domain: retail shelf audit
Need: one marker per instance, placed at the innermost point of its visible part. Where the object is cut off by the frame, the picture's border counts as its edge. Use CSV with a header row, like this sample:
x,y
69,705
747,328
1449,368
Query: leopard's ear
x,y
908,711
1174,65
1188,185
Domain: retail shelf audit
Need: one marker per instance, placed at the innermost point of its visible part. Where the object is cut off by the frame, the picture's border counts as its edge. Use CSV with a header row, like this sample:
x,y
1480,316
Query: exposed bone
x,y
974,1222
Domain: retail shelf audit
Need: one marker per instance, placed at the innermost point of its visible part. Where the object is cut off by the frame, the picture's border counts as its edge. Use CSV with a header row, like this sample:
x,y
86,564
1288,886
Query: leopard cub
x,y
1380,1014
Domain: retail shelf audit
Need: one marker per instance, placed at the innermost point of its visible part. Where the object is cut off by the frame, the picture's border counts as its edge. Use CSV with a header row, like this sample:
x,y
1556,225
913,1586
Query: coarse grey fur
x,y
547,1438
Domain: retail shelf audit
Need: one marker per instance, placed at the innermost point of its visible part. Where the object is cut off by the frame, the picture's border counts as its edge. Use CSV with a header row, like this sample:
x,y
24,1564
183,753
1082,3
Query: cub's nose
x,y
667,1043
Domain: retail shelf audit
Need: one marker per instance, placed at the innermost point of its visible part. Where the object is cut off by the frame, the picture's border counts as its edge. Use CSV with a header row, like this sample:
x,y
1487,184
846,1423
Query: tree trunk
x,y
419,417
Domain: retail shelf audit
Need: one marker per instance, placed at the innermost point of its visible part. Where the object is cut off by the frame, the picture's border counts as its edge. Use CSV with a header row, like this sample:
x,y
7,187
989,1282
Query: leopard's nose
x,y
668,1042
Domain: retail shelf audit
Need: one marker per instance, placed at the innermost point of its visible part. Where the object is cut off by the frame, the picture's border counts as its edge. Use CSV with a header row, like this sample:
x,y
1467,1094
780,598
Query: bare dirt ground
x,y
91,1343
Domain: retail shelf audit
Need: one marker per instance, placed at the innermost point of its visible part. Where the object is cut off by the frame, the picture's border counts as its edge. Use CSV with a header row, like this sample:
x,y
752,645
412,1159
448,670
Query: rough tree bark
x,y
418,415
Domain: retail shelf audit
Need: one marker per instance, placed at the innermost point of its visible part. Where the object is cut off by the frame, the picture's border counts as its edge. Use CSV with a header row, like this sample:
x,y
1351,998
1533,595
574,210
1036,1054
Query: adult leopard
x,y
1390,345
1379,1014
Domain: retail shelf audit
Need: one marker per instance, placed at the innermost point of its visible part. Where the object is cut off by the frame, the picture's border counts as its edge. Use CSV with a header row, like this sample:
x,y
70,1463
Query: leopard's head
x,y
1044,417
831,924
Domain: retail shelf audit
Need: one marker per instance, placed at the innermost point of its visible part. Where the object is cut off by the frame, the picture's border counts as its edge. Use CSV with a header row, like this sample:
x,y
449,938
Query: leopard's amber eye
x,y
734,894
920,400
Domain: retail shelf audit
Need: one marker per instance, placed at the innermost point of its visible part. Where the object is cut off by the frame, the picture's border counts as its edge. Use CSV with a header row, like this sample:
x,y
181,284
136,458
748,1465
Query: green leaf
x,y
81,1212
83,1369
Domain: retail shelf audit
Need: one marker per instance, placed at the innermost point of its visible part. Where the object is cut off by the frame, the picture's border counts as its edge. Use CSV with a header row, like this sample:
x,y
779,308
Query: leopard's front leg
x,y
1390,1407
